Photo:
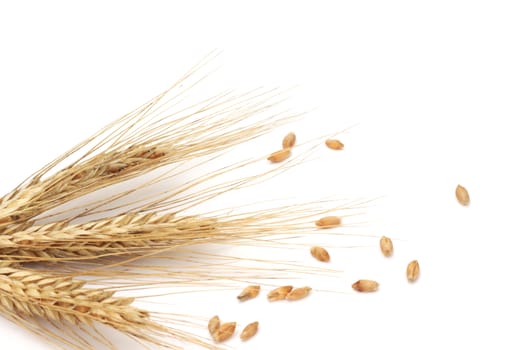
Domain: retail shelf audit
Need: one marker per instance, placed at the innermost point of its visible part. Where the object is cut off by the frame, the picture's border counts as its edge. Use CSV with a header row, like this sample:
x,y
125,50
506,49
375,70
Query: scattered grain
x,y
249,292
328,222
279,293
298,293
280,155
225,332
289,140
365,286
334,144
413,271
249,331
387,246
462,195
320,253
213,325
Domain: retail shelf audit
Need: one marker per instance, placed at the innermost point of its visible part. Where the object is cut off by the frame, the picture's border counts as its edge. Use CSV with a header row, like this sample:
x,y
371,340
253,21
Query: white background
x,y
436,90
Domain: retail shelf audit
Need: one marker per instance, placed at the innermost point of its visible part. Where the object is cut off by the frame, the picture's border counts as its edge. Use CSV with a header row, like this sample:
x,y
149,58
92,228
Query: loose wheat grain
x,y
249,292
289,140
280,155
365,286
328,222
320,254
462,195
334,144
225,332
298,293
249,331
387,247
413,271
279,293
213,325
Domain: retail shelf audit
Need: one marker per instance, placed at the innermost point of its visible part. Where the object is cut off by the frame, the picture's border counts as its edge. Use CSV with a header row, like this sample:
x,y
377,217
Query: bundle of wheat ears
x,y
68,249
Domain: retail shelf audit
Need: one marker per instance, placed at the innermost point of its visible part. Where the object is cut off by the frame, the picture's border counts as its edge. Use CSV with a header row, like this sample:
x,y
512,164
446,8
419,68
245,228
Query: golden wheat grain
x,y
298,293
213,325
225,332
334,144
413,271
249,331
386,245
279,293
320,254
462,195
289,140
365,286
248,293
280,155
328,222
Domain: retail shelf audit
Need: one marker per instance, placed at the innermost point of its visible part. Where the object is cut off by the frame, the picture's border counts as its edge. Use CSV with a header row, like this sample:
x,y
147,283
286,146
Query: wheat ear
x,y
63,300
160,133
129,234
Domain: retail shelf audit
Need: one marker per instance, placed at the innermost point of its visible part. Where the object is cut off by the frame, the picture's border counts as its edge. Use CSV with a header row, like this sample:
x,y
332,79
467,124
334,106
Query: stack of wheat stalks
x,y
58,249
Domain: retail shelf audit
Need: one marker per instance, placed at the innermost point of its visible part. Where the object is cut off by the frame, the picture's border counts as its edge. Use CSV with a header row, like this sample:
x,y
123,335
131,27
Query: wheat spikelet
x,y
122,235
63,300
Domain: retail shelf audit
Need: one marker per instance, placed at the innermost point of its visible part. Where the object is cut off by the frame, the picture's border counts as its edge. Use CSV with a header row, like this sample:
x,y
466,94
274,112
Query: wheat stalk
x,y
164,132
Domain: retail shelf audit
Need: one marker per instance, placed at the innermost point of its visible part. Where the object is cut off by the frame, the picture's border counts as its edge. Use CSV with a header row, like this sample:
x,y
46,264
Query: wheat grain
x,y
280,155
249,331
298,293
289,140
248,293
213,325
225,332
365,286
334,144
328,222
462,195
279,293
413,271
386,245
320,253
